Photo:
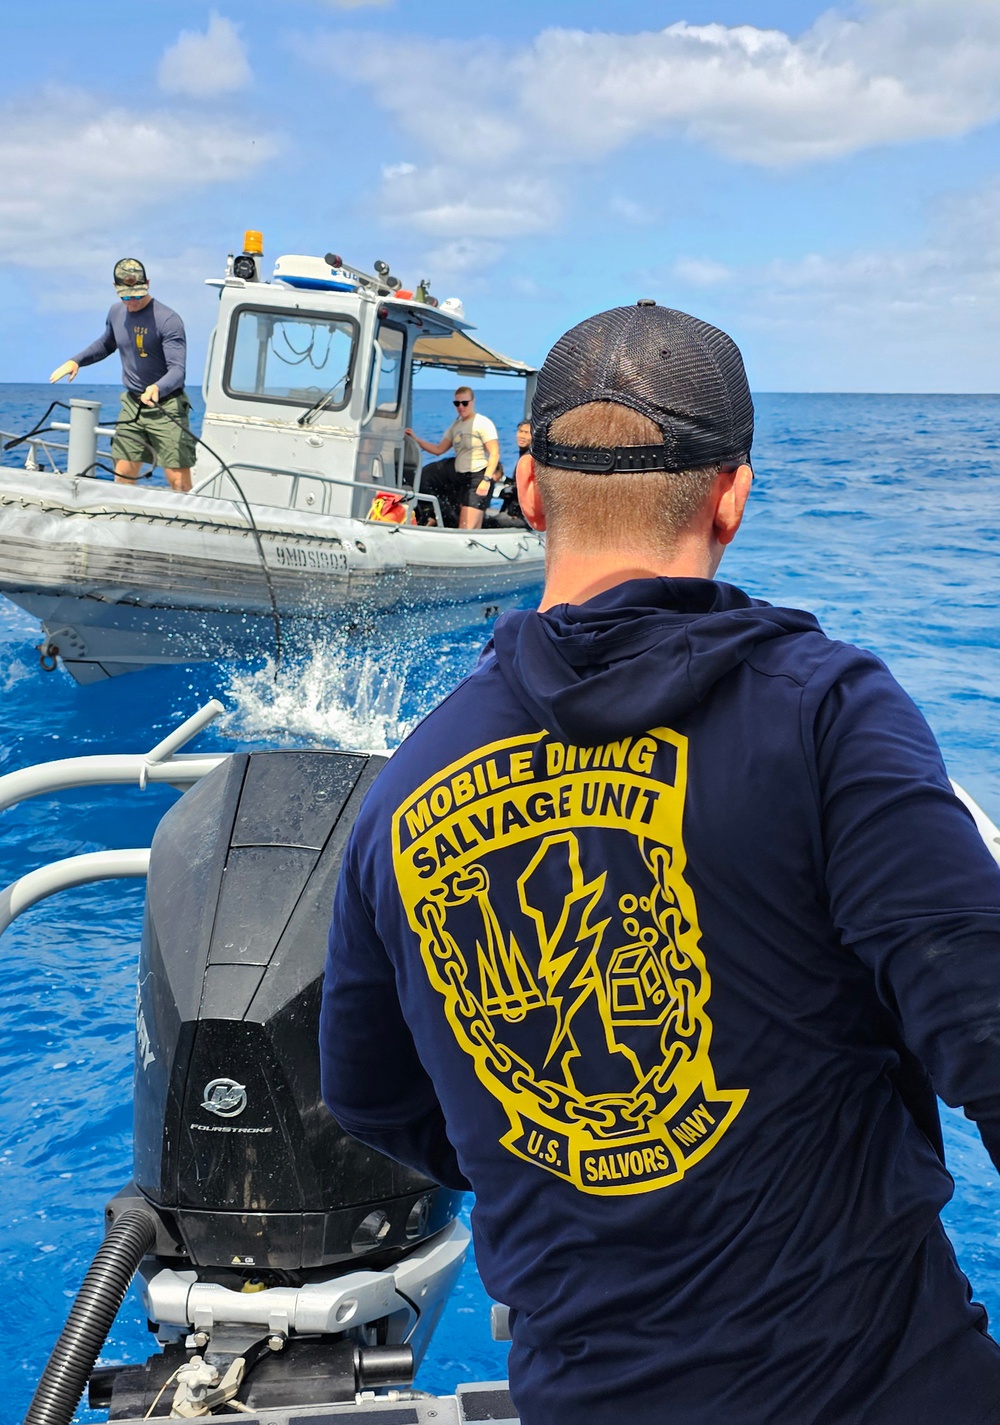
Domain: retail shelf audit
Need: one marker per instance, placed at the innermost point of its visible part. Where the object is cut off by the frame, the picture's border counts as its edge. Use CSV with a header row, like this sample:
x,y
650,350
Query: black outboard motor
x,y
290,1263
232,1141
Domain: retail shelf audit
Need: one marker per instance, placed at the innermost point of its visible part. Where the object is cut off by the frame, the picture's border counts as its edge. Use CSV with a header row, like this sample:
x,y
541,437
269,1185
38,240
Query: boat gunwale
x,y
165,511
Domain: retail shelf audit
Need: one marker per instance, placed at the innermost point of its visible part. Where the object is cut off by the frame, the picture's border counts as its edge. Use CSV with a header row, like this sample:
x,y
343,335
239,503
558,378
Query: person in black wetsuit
x,y
509,515
660,934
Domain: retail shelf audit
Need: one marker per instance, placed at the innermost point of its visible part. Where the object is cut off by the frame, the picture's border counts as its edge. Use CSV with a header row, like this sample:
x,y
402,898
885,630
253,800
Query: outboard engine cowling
x,y
234,1147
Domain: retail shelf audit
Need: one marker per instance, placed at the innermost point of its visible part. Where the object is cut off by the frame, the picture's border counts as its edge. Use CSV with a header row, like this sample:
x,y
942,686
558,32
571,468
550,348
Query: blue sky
x,y
822,183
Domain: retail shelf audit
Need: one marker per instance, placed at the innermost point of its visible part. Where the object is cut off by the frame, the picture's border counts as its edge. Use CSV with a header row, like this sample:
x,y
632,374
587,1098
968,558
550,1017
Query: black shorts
x,y
478,493
455,490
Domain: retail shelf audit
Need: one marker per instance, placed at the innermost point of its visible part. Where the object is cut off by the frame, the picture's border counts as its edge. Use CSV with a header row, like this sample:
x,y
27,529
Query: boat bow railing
x,y
160,764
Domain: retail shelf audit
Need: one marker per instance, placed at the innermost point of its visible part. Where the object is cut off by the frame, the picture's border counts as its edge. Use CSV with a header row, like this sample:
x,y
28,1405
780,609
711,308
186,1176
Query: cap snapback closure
x,y
596,461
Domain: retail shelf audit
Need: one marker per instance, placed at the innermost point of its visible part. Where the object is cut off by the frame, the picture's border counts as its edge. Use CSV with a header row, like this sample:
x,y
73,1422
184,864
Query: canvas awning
x,y
462,353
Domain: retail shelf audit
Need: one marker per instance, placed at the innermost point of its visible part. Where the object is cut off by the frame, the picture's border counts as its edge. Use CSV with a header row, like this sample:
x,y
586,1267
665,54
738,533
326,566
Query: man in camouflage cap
x,y
153,424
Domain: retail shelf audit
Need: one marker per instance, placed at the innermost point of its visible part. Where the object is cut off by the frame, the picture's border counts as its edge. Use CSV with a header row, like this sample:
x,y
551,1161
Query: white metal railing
x,y
369,486
223,474
34,448
120,768
28,890
98,430
159,764
55,452
79,455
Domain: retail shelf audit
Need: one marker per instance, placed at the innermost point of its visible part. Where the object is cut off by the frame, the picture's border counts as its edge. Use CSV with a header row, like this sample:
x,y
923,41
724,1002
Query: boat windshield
x,y
294,358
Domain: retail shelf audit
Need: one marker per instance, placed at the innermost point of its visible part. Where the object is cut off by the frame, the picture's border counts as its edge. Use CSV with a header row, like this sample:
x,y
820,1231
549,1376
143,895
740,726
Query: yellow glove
x,y
150,396
68,368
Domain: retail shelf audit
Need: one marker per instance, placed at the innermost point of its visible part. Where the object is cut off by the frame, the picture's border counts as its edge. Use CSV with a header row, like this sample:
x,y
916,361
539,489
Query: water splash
x,y
15,673
334,694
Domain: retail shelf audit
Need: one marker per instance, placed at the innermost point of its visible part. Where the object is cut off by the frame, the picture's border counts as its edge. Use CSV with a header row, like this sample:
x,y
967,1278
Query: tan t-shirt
x,y
469,440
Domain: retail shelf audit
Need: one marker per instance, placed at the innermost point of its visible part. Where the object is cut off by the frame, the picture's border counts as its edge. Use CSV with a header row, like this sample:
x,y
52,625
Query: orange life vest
x,y
388,506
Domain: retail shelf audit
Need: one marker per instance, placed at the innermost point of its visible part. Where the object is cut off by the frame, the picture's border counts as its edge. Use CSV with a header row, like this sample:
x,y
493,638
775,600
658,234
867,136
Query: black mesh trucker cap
x,y
683,374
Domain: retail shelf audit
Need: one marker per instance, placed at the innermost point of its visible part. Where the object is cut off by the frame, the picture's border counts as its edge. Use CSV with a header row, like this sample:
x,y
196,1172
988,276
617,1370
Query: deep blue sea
x,y
881,514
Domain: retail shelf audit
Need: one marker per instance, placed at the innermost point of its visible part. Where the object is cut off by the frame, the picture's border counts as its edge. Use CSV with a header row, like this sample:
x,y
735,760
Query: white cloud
x,y
526,286
701,271
443,93
879,307
460,257
627,210
443,202
75,174
956,272
905,71
506,130
202,65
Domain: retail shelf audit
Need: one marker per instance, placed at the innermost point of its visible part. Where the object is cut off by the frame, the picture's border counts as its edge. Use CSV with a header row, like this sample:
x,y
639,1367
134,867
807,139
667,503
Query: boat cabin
x,y
309,382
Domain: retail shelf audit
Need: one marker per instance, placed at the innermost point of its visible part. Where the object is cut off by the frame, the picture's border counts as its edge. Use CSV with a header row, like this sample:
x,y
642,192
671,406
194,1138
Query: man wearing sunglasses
x,y
463,484
152,424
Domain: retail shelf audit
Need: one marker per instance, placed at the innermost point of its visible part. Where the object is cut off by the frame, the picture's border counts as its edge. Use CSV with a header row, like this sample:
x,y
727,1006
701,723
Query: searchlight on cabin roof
x,y
245,266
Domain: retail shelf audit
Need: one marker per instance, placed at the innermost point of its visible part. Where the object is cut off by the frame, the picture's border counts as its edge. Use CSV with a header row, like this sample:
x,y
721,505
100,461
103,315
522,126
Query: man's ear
x,y
732,501
529,497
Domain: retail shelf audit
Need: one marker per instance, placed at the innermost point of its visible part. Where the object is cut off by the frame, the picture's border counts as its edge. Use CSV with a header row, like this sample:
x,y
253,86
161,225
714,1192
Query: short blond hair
x,y
465,391
631,509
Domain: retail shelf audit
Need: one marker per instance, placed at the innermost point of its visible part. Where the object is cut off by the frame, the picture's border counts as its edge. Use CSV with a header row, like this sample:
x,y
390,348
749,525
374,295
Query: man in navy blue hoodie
x,y
660,934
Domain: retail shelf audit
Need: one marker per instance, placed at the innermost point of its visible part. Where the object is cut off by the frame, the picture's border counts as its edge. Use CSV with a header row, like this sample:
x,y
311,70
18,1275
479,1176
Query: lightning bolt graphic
x,y
569,943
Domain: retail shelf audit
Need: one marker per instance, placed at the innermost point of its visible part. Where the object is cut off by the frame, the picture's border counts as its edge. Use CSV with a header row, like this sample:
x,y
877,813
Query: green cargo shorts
x,y
146,433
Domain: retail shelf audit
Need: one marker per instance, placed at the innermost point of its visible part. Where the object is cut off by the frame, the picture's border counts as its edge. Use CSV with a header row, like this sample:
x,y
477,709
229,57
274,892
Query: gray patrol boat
x,y
308,391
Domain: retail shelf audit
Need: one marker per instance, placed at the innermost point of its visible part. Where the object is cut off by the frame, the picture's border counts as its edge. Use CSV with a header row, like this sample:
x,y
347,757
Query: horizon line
x,y
763,391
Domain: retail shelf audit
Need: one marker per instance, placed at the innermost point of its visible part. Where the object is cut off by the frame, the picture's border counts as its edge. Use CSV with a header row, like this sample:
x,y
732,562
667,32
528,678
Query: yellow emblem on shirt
x,y
545,883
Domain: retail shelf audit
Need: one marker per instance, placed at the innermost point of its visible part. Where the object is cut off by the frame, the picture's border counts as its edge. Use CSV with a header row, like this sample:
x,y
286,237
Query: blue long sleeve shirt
x,y
152,345
662,932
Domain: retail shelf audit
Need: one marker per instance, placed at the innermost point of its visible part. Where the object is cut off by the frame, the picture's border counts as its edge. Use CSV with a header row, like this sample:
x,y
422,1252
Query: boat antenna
x,y
384,284
275,615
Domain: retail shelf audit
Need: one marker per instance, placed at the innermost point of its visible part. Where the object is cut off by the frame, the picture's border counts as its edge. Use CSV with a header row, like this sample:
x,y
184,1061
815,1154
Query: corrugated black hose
x,y
94,1310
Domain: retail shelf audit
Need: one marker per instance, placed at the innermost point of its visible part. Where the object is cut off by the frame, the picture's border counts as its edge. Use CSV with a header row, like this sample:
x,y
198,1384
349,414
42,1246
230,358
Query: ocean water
x,y
881,514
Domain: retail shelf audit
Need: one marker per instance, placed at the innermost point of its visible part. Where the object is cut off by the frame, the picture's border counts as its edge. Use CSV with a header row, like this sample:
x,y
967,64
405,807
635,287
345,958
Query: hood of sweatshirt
x,y
637,656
